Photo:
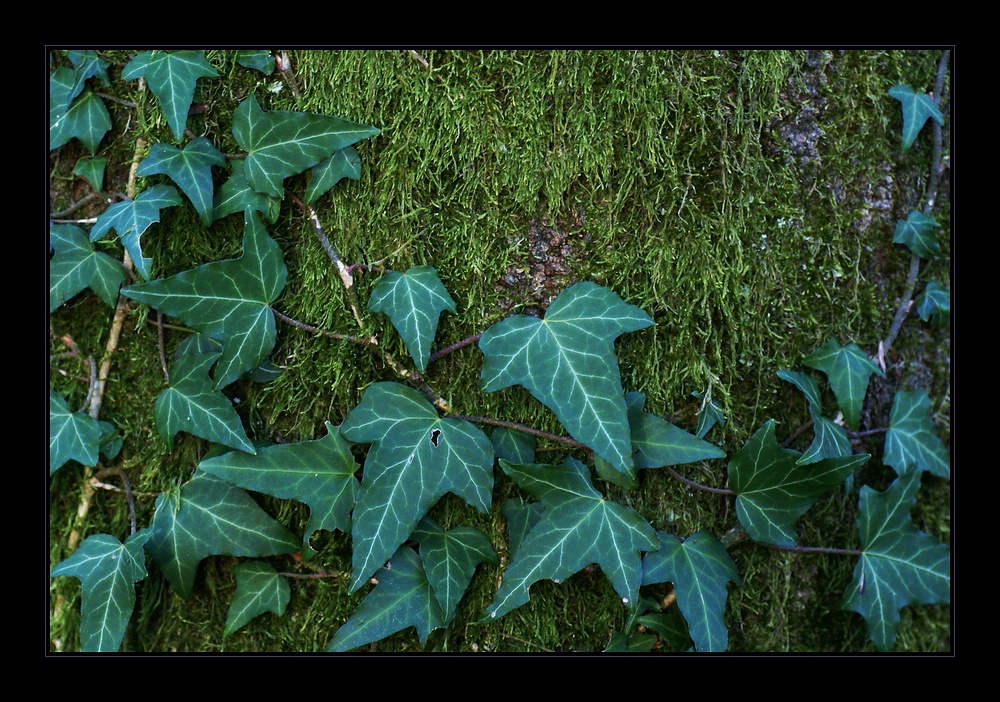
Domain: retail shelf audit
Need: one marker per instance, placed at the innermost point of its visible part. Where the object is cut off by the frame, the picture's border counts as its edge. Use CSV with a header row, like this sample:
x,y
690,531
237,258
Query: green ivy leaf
x,y
521,517
934,304
283,143
831,439
709,415
912,441
899,565
77,266
699,568
227,300
260,59
236,195
87,119
413,301
259,589
191,404
171,77
209,517
848,369
346,163
72,435
773,491
516,446
578,527
319,473
917,233
567,362
658,443
403,598
130,218
108,571
190,168
450,559
92,169
917,108
416,457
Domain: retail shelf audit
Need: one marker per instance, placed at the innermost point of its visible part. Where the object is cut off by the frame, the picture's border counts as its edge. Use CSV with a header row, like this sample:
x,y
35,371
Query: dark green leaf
x,y
209,517
636,643
917,233
319,473
912,441
403,598
282,143
848,370
899,565
236,195
659,443
805,383
92,169
191,404
130,218
567,362
521,518
515,446
260,59
72,435
450,559
346,163
190,168
413,301
108,571
87,119
227,300
917,108
259,589
578,527
709,415
416,457
699,567
831,440
773,491
171,77
934,304
77,266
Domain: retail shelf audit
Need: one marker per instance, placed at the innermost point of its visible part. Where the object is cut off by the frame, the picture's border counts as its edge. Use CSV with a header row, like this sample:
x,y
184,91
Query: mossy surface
x,y
745,199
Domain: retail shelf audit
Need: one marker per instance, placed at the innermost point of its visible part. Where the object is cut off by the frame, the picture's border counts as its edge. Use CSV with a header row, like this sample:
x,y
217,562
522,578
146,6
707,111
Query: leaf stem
x,y
698,486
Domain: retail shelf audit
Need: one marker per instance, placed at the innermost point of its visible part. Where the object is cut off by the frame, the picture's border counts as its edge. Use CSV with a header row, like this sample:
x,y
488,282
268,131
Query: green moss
x,y
745,199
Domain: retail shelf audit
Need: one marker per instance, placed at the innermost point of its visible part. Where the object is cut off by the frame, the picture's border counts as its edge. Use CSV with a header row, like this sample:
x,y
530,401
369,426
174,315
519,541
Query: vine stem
x,y
699,486
522,427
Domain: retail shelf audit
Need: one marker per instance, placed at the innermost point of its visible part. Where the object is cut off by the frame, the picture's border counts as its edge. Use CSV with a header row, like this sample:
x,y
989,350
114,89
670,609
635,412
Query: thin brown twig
x,y
524,428
454,347
698,486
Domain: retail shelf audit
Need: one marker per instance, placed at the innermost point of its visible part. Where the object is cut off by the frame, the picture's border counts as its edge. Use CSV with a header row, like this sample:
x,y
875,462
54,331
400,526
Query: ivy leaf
x,y
917,233
699,568
236,195
190,168
209,517
899,565
108,571
130,218
516,446
416,457
86,118
917,108
227,300
403,598
773,491
77,266
450,559
319,473
72,435
521,518
92,169
190,404
912,441
413,301
709,415
567,362
848,370
171,77
346,163
283,143
259,589
658,443
831,439
260,59
578,527
934,304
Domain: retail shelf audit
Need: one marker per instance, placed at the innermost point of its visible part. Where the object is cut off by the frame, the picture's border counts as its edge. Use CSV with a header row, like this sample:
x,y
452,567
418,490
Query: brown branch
x,y
454,347
698,486
523,428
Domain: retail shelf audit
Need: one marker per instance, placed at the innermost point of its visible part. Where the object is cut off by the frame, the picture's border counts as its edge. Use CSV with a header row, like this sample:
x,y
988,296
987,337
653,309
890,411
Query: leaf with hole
x,y
108,571
567,362
228,301
171,76
899,565
406,472
578,527
413,301
209,517
699,568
